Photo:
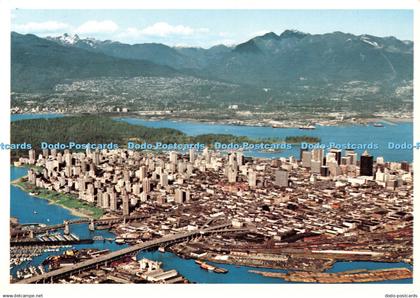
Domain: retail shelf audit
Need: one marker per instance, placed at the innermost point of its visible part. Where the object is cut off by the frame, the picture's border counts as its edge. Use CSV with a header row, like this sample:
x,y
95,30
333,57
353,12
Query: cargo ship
x,y
203,265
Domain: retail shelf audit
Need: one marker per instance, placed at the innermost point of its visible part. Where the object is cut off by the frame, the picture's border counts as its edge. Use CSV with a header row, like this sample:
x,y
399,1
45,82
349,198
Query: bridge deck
x,y
125,251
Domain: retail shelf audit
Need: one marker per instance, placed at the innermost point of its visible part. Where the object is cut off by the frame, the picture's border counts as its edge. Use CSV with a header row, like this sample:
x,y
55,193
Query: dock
x,y
49,242
353,276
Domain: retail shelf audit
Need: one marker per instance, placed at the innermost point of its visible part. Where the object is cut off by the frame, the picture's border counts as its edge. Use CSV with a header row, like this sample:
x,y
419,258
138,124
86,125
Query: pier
x,y
68,223
354,276
50,242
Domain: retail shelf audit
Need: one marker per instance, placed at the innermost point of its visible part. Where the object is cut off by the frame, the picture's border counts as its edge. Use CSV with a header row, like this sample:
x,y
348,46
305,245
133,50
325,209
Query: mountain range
x,y
270,60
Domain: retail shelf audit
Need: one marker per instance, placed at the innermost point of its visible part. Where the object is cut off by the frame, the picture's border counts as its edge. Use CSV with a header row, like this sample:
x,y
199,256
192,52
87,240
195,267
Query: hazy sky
x,y
206,28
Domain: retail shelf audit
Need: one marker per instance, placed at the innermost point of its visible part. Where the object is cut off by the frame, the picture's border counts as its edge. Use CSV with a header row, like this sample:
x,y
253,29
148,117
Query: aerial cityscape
x,y
162,153
296,214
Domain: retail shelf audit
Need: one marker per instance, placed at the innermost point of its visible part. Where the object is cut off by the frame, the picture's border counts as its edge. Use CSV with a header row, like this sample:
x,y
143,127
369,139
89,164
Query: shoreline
x,y
289,271
73,211
352,276
327,264
236,122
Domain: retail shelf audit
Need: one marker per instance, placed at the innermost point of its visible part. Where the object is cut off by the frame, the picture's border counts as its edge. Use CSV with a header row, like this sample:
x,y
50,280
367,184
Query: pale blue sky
x,y
206,28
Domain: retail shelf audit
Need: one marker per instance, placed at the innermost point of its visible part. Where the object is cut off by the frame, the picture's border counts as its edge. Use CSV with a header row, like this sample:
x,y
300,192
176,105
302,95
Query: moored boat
x,y
308,127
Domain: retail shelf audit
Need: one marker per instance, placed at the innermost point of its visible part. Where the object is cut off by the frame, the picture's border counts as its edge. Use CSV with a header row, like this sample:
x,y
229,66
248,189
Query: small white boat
x,y
119,240
308,127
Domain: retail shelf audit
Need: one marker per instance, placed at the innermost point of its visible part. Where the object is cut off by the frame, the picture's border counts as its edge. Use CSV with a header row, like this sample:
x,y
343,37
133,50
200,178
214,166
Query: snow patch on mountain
x,y
366,39
72,39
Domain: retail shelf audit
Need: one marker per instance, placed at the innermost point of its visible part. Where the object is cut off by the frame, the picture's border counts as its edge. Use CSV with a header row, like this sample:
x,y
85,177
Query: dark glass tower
x,y
366,164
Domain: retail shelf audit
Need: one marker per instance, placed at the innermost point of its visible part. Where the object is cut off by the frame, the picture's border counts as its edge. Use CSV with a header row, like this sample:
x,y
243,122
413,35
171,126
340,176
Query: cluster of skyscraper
x,y
334,164
112,180
122,179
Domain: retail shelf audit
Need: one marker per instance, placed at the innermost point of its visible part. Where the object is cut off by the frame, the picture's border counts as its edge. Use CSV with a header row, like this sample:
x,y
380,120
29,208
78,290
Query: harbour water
x,y
391,133
396,133
30,209
241,274
16,117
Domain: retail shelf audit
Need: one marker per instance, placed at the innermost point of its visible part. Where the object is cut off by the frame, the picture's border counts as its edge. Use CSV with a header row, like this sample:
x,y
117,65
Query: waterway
x,y
366,135
29,209
395,133
23,206
16,117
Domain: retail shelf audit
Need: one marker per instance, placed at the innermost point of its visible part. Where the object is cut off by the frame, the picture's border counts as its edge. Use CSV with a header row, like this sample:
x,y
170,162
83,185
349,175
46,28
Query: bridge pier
x,y
66,227
91,225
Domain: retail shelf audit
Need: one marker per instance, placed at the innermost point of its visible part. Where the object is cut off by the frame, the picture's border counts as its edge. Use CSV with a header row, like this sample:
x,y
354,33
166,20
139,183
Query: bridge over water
x,y
51,276
39,230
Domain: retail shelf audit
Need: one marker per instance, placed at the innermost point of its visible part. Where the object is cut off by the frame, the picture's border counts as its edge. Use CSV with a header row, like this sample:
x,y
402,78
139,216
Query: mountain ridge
x,y
39,63
268,60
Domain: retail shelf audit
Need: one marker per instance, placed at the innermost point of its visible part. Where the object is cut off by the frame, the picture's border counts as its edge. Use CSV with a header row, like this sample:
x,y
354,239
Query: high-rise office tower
x,y
96,157
337,154
240,158
325,171
301,153
192,155
125,203
232,174
146,185
141,173
105,200
252,179
316,166
173,157
32,158
366,164
346,160
353,157
164,179
282,178
306,159
181,196
318,154
113,201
